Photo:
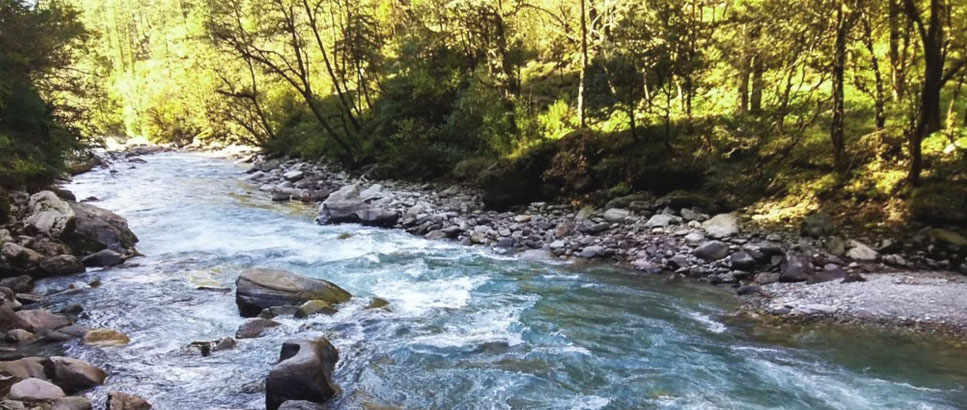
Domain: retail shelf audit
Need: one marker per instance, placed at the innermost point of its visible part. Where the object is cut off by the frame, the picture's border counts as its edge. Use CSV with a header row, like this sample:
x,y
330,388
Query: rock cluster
x,y
672,234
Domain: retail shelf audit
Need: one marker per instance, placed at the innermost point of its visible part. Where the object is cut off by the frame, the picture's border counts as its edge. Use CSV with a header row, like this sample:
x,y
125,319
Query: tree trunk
x,y
755,98
584,66
838,69
928,121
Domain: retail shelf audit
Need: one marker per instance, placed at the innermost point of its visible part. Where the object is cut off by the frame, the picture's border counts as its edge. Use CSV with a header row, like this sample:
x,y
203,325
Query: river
x,y
467,329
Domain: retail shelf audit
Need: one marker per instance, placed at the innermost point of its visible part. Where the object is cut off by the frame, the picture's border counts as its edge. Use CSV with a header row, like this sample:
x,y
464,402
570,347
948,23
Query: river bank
x,y
893,279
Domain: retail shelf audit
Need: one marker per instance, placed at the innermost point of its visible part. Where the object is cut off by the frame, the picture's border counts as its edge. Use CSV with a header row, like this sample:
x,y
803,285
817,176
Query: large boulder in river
x,y
73,375
48,214
257,289
351,204
97,228
304,372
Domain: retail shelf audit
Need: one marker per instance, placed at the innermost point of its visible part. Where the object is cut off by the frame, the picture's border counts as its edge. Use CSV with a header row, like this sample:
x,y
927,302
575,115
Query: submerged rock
x,y
105,337
304,372
258,289
255,328
124,401
300,405
314,306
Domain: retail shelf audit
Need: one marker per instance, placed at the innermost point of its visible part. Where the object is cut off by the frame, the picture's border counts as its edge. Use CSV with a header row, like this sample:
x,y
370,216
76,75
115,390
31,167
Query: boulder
x,y
103,258
860,252
254,328
818,225
304,372
349,205
20,336
71,403
10,321
293,176
947,239
96,229
21,258
743,261
795,267
61,265
35,390
617,215
257,289
38,320
722,225
662,220
712,251
105,337
73,375
26,368
378,303
49,215
9,298
124,401
18,284
314,306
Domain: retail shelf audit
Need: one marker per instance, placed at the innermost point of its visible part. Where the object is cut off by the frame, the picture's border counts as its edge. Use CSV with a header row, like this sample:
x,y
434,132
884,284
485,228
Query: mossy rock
x,y
944,203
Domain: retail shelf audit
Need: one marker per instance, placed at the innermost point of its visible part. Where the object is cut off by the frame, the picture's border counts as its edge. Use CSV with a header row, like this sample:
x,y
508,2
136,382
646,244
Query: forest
x,y
855,105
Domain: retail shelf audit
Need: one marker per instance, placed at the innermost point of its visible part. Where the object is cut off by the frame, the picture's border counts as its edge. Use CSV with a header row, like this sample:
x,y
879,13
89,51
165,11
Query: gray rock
x,y
694,238
258,289
349,205
21,258
28,367
73,375
103,258
293,175
18,284
38,320
71,403
35,390
254,328
818,225
616,215
96,229
743,261
860,252
49,215
712,251
795,267
592,252
9,320
662,220
20,336
61,265
304,372
722,225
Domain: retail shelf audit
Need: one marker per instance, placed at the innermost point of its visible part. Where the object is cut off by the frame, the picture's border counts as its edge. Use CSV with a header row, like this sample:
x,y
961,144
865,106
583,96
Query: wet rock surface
x,y
304,373
258,289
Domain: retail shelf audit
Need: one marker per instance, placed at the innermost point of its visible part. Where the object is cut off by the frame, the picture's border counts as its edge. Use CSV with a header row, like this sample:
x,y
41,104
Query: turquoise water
x,y
467,329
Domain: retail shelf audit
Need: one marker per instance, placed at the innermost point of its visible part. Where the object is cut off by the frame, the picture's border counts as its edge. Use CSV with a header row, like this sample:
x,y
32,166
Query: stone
x,y
743,261
257,289
28,367
836,245
817,309
49,215
275,311
103,258
39,320
947,239
18,284
860,252
10,321
71,403
105,337
349,205
853,277
293,175
378,303
818,225
96,229
304,372
795,267
20,336
662,220
9,298
35,390
592,252
124,401
254,328
646,266
73,375
712,251
722,225
690,215
300,405
21,258
314,306
61,265
694,238
617,215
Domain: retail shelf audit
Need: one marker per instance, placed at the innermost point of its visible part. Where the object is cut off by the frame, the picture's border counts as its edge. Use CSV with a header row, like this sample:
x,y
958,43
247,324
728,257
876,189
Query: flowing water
x,y
467,329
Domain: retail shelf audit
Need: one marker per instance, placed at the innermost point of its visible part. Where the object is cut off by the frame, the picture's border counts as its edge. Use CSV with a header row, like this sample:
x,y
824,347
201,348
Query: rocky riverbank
x,y
782,274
